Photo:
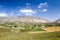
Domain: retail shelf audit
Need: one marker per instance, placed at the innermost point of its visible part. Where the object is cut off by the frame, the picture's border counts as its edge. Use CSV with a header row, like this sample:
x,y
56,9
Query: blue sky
x,y
48,9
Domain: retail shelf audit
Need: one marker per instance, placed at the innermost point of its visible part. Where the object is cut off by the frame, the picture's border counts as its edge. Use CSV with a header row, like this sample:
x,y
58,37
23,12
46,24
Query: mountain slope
x,y
18,19
57,21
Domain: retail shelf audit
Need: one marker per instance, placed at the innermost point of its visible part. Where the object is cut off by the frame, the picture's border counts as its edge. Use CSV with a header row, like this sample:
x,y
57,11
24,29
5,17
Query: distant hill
x,y
57,21
28,19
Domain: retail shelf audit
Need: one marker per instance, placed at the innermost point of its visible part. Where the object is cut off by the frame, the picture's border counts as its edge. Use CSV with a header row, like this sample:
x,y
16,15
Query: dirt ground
x,y
52,29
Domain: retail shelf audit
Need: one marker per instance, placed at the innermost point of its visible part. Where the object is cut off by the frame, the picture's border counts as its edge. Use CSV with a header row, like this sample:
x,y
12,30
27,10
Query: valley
x,y
15,29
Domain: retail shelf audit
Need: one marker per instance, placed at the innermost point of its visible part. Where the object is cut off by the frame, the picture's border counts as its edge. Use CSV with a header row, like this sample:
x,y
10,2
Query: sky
x,y
48,9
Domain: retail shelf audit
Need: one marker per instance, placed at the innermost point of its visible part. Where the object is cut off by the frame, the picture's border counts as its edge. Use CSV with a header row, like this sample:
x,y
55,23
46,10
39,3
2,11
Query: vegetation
x,y
6,34
21,32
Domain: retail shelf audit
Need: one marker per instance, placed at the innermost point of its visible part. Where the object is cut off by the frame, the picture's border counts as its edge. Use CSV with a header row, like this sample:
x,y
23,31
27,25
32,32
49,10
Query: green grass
x,y
6,34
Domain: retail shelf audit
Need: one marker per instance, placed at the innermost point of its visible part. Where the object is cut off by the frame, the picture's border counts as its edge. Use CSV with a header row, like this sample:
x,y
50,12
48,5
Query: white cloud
x,y
27,3
27,11
3,15
44,10
43,5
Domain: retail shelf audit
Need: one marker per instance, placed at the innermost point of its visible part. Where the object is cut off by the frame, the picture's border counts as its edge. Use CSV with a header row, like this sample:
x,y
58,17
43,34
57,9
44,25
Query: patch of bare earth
x,y
52,29
48,29
37,32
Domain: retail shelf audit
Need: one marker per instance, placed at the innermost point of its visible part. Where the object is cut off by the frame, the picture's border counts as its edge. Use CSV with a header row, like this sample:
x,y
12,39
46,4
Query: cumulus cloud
x,y
44,10
3,15
27,11
43,5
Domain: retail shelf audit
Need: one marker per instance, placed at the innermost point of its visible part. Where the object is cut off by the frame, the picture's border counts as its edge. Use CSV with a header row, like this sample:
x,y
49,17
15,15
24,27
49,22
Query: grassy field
x,y
7,34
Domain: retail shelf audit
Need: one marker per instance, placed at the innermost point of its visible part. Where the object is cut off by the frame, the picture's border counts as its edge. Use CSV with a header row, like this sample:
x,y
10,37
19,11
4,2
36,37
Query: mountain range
x,y
57,21
28,19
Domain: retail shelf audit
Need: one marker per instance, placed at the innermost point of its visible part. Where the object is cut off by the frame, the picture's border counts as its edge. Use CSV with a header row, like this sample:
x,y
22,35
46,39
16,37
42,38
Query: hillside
x,y
57,21
19,19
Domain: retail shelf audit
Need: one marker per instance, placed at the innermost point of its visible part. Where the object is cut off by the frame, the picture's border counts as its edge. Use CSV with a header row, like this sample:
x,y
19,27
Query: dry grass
x,y
7,34
52,29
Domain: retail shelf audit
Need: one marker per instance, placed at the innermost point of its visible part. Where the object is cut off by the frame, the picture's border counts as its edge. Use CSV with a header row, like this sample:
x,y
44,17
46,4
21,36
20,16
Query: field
x,y
7,34
52,29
